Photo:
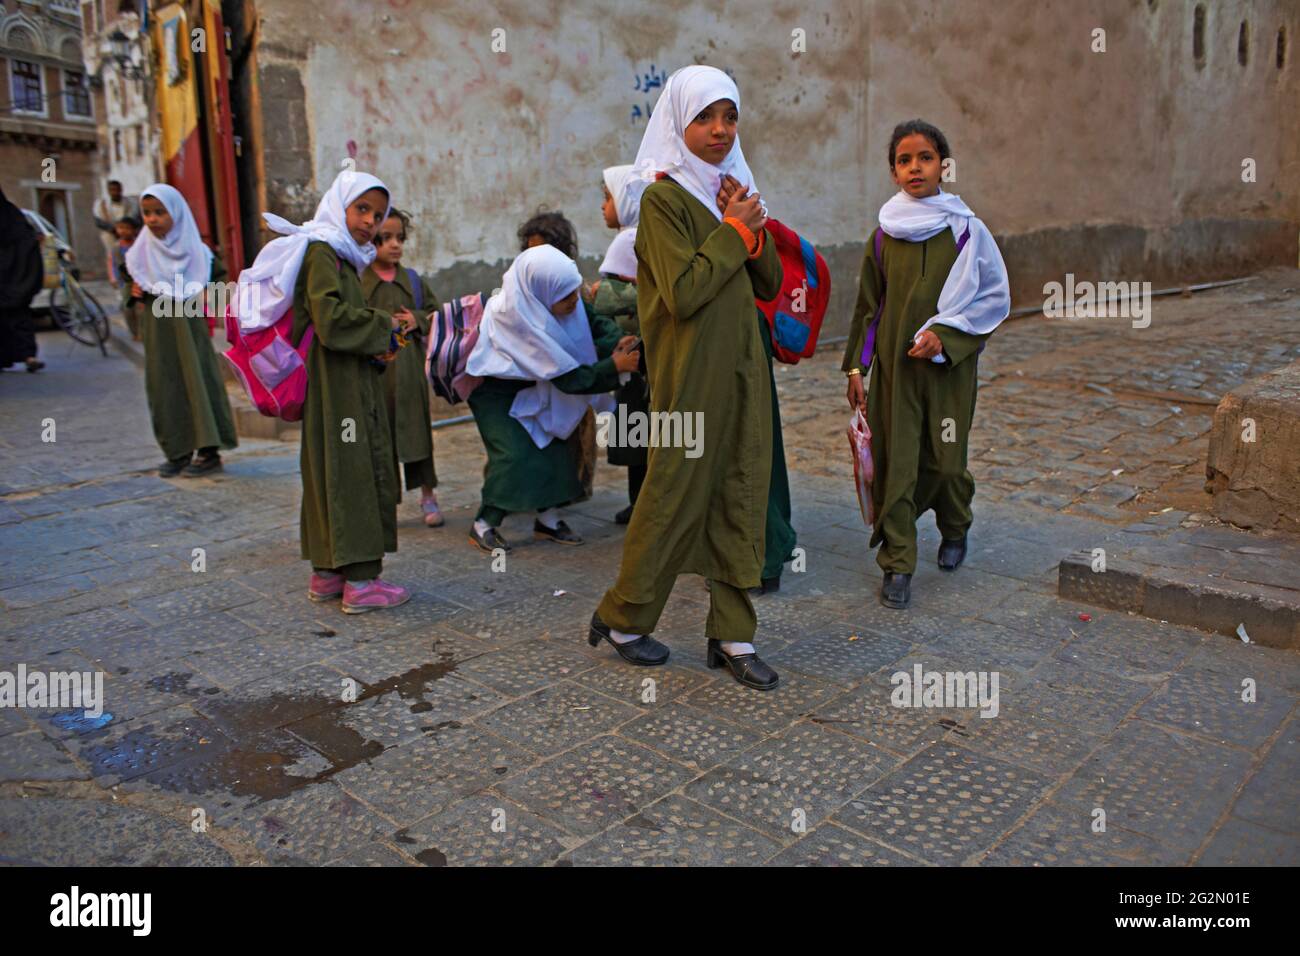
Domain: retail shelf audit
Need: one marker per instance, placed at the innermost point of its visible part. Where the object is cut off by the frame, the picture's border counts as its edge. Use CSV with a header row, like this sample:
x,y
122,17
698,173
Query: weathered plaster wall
x,y
1122,165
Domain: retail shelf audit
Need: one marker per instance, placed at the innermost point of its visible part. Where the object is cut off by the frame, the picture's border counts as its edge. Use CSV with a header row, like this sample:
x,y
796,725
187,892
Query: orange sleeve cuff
x,y
752,243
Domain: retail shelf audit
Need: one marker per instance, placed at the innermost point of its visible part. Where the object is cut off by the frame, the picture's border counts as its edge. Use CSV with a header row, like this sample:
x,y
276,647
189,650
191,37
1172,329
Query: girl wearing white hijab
x,y
612,305
349,476
933,289
540,374
702,509
171,268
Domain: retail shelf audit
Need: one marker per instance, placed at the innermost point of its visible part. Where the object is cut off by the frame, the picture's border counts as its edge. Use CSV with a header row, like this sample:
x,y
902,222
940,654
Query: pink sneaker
x,y
432,516
325,587
372,596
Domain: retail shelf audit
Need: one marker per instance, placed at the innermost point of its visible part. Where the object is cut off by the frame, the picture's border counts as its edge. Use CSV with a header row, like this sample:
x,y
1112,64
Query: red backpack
x,y
795,315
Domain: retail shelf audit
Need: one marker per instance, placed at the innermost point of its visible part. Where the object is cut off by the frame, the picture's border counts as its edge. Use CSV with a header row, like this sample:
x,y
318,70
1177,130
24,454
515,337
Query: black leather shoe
x,y
768,586
748,669
560,534
645,651
624,516
199,467
951,554
896,591
173,467
489,540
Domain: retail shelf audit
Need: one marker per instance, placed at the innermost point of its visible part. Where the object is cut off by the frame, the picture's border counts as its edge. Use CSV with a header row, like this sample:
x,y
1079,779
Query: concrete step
x,y
1213,578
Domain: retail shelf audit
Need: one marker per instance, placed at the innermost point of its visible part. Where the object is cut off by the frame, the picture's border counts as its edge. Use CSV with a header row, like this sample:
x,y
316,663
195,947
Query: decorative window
x,y
76,95
26,87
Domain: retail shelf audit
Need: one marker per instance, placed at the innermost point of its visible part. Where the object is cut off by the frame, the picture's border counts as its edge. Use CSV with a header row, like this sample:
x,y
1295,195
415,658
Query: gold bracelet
x,y
853,371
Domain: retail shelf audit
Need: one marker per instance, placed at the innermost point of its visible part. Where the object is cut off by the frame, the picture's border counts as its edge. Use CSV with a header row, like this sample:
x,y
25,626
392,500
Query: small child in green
x,y
390,287
612,298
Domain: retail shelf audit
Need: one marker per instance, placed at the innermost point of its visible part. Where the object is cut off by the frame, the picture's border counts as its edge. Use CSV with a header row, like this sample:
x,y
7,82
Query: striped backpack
x,y
453,332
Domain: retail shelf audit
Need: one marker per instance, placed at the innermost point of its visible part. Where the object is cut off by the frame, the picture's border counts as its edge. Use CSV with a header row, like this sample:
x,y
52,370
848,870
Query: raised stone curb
x,y
1270,615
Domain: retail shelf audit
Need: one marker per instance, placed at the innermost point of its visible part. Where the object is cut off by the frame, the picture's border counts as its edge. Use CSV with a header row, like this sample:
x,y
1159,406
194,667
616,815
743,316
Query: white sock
x,y
620,638
481,527
549,518
735,648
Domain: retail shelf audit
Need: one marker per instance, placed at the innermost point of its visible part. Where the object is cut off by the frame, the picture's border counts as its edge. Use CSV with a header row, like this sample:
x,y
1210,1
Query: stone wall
x,y
1117,165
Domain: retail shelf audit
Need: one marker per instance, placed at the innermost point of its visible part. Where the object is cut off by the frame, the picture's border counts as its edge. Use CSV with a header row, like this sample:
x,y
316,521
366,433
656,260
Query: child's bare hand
x,y
136,291
927,346
404,320
857,394
730,185
748,210
627,359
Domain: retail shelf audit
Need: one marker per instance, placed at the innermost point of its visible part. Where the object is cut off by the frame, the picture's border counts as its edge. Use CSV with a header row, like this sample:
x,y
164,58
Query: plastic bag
x,y
864,470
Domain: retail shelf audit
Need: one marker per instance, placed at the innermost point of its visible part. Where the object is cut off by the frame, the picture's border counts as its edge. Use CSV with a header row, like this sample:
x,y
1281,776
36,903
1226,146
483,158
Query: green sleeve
x,y
589,379
958,346
687,278
870,285
604,333
765,271
341,327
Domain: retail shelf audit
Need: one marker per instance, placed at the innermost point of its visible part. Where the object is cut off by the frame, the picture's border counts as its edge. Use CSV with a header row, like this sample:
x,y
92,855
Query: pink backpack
x,y
272,369
453,333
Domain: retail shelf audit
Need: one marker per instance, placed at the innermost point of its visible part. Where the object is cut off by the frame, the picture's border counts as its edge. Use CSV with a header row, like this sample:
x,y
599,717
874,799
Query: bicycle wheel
x,y
79,314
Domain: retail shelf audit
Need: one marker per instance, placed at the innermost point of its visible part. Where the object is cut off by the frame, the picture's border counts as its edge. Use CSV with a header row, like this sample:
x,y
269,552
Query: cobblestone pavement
x,y
485,730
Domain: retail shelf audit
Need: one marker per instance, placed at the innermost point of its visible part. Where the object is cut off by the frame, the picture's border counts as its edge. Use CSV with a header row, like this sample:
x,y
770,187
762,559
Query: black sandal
x,y
173,466
560,534
747,669
488,541
645,651
203,465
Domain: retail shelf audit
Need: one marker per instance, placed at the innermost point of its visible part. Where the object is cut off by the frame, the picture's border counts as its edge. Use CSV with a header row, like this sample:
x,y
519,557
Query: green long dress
x,y
349,478
406,389
182,380
919,411
705,358
519,476
779,536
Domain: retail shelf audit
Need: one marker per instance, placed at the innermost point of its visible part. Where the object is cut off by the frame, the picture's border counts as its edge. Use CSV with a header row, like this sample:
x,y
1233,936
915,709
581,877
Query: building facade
x,y
118,60
48,120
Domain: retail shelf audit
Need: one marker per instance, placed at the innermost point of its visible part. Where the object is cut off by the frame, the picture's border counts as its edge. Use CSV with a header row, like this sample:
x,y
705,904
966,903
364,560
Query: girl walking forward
x,y
699,270
933,289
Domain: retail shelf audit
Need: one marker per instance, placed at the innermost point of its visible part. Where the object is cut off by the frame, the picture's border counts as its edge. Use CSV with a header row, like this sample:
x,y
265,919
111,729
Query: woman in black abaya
x,y
21,275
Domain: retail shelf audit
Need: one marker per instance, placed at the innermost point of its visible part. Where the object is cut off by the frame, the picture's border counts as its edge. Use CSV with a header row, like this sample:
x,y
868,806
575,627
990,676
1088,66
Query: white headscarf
x,y
976,296
266,287
519,338
157,265
663,148
626,188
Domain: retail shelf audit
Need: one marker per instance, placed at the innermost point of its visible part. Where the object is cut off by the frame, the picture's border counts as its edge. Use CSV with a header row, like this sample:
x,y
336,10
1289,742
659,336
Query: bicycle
x,y
82,317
